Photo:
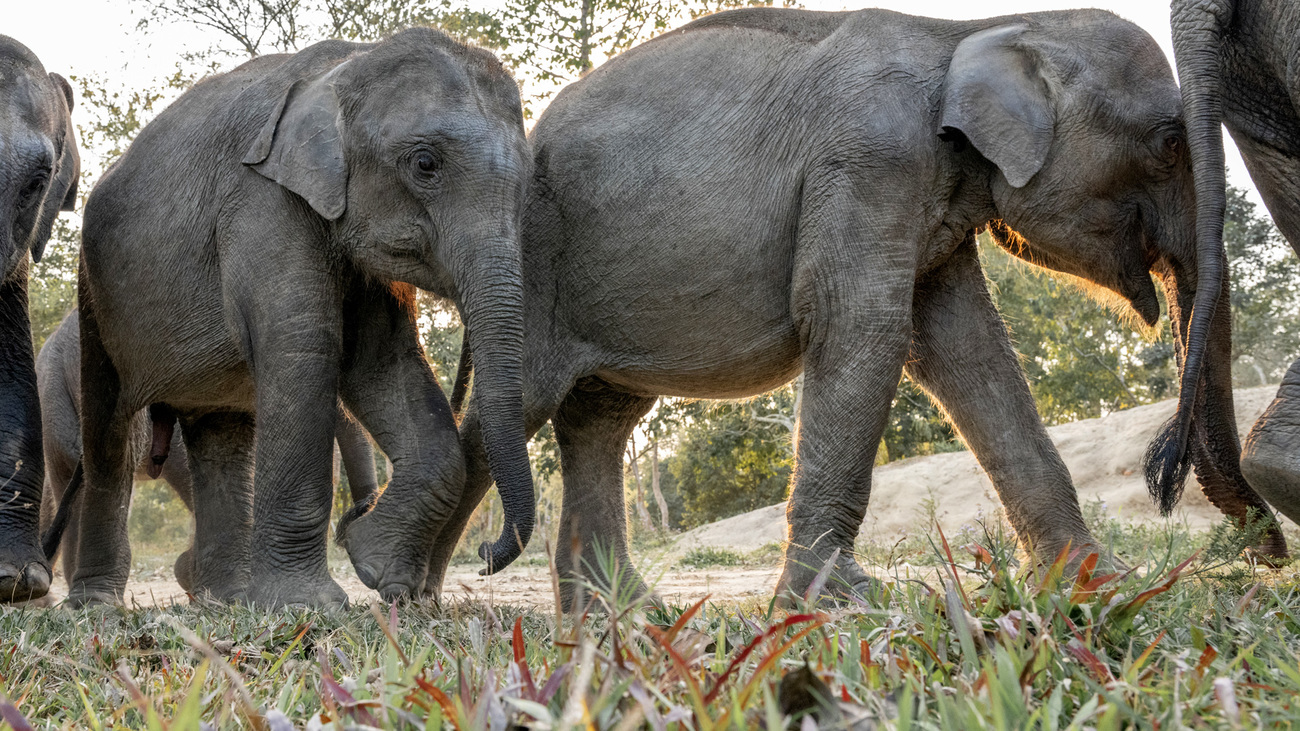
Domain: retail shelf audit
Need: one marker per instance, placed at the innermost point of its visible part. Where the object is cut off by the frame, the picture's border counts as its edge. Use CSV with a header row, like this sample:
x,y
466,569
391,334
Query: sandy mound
x,y
1104,457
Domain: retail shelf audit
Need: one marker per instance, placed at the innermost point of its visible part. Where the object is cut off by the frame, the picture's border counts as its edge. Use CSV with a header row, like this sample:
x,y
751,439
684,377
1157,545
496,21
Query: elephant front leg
x,y
962,356
850,299
390,388
24,572
1270,459
102,562
296,365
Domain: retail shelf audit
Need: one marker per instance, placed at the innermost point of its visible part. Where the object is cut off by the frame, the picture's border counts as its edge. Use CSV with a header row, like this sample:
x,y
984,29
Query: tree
x,y
730,459
555,42
1265,294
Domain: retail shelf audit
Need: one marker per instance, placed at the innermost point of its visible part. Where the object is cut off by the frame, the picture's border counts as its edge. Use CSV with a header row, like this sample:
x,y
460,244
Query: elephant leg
x,y
592,427
176,471
219,445
294,343
24,572
103,551
851,295
1270,459
962,356
358,459
59,466
549,374
389,387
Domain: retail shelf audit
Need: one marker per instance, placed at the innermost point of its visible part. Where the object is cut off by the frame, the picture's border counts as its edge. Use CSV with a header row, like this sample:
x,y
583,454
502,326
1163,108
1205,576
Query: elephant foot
x,y
80,597
1078,549
846,579
1272,551
24,576
184,570
275,589
576,592
396,570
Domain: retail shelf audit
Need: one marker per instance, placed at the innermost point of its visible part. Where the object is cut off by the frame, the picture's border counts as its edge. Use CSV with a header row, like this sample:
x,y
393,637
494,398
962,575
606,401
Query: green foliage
x,y
1081,361
709,556
1265,276
159,521
733,456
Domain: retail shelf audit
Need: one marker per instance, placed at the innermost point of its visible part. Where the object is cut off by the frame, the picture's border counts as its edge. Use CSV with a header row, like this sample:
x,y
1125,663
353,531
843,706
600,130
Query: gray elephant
x,y
58,376
764,192
39,167
1239,63
256,250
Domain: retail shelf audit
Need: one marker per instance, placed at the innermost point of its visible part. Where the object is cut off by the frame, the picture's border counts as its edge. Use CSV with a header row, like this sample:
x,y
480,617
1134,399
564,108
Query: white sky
x,y
100,36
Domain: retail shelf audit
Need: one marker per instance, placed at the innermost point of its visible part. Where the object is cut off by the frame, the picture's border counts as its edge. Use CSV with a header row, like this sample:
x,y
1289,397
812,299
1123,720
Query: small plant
x,y
708,556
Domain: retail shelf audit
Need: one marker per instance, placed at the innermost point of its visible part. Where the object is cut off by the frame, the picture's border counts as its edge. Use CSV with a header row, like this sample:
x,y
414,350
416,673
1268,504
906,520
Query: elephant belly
x,y
181,353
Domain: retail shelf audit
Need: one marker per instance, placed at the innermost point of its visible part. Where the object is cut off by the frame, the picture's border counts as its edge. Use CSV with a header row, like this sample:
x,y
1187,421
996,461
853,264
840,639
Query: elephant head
x,y
415,151
1085,126
39,167
39,164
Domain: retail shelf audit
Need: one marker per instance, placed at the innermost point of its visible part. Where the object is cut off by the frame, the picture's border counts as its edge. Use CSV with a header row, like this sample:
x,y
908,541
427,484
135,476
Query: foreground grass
x,y
1195,638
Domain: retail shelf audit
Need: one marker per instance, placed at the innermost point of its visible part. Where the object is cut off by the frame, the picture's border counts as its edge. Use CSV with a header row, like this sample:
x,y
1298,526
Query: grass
x,y
705,557
1195,638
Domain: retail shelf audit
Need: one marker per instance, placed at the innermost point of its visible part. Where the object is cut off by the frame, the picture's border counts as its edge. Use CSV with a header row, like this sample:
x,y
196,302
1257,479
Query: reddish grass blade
x,y
791,621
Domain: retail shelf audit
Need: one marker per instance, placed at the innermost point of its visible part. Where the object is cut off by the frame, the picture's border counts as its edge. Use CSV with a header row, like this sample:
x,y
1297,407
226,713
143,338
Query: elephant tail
x,y
54,534
460,389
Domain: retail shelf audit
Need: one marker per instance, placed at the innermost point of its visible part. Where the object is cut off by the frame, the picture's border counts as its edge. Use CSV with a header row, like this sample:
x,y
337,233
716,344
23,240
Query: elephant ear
x,y
301,146
996,95
70,166
62,193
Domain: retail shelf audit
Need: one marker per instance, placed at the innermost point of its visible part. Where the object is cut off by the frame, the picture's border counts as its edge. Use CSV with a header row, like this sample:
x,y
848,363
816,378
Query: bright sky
x,y
100,36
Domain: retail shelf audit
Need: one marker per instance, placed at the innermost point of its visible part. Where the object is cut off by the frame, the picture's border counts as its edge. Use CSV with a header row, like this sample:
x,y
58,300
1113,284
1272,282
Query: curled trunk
x,y
492,308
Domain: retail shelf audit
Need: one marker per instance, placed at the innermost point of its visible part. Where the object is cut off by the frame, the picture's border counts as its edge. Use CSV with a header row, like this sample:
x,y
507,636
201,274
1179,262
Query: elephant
x,y
765,192
257,251
58,375
1239,66
39,170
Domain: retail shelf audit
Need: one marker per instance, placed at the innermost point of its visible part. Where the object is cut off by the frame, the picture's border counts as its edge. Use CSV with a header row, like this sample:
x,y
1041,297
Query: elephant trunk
x,y
492,308
1197,35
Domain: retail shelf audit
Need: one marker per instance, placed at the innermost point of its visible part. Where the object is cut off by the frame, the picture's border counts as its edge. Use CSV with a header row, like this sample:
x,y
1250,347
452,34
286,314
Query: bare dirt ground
x,y
518,586
1104,456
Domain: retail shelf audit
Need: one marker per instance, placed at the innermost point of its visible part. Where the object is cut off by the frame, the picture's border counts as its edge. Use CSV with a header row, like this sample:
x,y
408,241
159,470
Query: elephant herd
x,y
757,194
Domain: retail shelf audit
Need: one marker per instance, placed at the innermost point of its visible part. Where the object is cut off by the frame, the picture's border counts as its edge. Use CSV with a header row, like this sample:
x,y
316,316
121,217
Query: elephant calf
x,y
58,375
39,167
256,250
764,192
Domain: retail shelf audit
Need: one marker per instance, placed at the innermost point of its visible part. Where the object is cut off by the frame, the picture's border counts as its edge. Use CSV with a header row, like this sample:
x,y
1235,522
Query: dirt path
x,y
519,586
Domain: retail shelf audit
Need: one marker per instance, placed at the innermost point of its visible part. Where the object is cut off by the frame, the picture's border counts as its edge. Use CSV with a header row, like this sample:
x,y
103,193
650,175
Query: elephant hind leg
x,y
219,446
1270,459
103,551
592,427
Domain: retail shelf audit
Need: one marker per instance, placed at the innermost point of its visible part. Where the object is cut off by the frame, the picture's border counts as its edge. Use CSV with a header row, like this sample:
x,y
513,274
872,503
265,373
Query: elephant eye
x,y
32,190
1173,145
426,162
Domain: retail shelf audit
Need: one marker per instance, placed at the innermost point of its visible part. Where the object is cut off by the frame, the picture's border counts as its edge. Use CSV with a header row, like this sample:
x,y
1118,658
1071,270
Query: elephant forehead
x,y
22,98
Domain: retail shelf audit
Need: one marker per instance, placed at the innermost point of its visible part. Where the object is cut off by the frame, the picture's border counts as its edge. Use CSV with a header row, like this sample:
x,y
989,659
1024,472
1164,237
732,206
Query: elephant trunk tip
x,y
508,547
1167,462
